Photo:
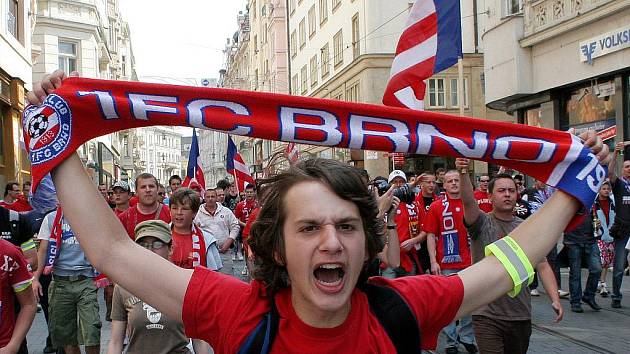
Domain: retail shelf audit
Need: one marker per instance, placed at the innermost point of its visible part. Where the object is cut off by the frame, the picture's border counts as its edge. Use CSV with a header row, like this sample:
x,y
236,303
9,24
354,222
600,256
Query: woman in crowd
x,y
604,210
150,331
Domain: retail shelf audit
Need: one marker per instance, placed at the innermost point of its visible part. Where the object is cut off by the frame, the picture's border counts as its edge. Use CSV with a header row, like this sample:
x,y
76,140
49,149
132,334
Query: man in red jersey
x,y
243,210
316,230
482,196
424,199
15,283
13,198
148,207
449,251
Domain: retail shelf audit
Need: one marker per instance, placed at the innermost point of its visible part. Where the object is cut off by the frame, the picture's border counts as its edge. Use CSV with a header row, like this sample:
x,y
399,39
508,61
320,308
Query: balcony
x,y
545,19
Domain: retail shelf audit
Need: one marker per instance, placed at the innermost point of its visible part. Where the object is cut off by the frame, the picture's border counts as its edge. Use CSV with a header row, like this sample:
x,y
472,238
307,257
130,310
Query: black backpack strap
x,y
261,339
14,221
395,316
386,304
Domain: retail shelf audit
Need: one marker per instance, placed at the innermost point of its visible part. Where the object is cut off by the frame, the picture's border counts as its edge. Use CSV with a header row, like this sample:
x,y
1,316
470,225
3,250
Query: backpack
x,y
386,304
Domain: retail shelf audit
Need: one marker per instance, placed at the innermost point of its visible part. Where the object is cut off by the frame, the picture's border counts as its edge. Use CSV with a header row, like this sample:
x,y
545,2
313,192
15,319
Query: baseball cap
x,y
122,185
396,173
153,228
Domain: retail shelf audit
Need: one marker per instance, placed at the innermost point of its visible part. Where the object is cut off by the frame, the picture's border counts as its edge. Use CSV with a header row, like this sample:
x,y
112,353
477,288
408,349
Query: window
x,y
295,85
314,71
323,11
454,95
302,33
312,22
335,4
13,18
325,55
67,56
436,93
356,49
338,48
293,46
352,93
256,80
512,7
124,65
304,73
292,6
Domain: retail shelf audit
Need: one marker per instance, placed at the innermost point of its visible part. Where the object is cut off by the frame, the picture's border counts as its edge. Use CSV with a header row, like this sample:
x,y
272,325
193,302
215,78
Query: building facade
x,y
160,150
560,64
16,27
92,38
343,50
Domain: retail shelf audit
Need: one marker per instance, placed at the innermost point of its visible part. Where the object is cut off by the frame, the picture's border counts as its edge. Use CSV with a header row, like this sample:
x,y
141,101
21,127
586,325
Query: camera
x,y
380,185
405,194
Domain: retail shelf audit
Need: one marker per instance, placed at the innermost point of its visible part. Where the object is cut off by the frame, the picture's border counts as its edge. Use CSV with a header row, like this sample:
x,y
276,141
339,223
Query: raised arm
x,y
109,249
488,279
471,208
612,165
103,238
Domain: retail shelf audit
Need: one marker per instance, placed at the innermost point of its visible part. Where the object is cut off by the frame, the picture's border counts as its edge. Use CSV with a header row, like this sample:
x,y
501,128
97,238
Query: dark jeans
x,y
495,336
620,259
551,259
590,254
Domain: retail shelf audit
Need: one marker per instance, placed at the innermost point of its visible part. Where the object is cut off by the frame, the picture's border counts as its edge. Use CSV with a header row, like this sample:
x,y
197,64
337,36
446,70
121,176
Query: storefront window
x,y
591,104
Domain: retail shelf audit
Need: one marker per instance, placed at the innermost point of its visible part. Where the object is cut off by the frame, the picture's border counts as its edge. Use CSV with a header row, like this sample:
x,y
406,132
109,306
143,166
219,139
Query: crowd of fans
x,y
312,238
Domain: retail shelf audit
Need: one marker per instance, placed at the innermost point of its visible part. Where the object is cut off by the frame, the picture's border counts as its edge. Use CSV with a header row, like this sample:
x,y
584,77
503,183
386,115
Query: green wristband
x,y
516,263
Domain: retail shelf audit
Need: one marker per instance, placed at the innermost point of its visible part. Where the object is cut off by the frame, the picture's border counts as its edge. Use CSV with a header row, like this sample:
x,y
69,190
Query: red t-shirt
x,y
206,316
483,201
132,217
250,220
605,205
407,226
182,244
243,209
14,277
446,221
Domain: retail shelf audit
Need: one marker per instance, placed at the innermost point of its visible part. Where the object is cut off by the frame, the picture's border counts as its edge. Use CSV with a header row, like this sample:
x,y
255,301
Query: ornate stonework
x,y
543,14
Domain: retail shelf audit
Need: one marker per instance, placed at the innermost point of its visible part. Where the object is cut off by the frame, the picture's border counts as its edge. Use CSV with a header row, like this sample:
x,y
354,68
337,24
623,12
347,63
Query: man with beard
x,y
148,207
504,325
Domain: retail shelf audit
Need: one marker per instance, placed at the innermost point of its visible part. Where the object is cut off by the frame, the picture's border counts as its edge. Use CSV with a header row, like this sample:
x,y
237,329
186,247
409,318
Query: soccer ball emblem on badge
x,y
48,129
37,126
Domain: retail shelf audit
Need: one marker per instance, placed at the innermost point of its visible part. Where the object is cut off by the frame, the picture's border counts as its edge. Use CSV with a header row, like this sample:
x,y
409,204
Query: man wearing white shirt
x,y
222,224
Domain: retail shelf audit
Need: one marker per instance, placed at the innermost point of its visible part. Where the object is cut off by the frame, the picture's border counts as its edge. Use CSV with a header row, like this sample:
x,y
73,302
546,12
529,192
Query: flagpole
x,y
460,85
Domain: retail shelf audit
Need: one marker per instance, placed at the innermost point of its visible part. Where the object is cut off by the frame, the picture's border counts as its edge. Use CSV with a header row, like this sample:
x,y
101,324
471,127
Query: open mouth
x,y
329,276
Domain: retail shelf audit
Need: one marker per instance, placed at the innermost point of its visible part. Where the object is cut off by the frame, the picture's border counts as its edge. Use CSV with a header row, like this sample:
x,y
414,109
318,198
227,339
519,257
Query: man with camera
x,y
408,227
449,251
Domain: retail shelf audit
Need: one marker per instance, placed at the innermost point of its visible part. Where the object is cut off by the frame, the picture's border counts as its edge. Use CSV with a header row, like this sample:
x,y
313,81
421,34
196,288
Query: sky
x,y
180,42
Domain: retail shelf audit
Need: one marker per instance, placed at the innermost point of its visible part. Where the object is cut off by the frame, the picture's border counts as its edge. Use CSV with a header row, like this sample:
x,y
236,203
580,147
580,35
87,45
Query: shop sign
x,y
399,159
604,44
371,155
608,133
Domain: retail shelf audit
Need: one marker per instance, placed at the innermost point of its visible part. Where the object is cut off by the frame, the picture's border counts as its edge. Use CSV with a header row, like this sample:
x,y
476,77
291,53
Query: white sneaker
x,y
240,257
233,257
534,292
244,271
563,293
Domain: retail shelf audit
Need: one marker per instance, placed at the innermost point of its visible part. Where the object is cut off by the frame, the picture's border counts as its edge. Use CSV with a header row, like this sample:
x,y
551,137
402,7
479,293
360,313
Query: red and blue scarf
x,y
83,109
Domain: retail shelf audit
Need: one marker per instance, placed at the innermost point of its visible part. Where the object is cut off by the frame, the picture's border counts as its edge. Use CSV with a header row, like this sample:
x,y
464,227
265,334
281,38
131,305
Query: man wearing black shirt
x,y
620,230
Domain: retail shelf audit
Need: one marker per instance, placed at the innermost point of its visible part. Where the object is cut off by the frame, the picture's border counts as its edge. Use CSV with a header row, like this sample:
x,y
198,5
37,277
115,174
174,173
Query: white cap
x,y
396,173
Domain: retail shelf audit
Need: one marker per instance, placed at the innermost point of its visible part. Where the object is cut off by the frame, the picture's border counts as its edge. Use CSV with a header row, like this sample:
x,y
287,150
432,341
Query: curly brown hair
x,y
266,235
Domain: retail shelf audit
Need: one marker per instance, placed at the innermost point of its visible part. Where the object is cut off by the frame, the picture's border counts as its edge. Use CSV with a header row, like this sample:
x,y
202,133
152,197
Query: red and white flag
x,y
292,153
236,166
